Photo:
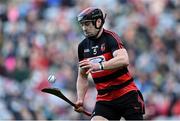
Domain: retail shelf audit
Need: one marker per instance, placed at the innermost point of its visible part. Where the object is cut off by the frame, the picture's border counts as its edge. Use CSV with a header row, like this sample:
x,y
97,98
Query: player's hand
x,y
89,66
79,106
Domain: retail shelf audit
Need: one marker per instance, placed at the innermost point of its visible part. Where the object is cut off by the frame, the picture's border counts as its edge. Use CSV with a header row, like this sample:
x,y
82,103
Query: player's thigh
x,y
134,117
105,110
99,118
134,109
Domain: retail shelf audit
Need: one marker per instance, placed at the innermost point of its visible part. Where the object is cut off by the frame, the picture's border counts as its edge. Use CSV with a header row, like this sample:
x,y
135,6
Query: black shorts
x,y
129,106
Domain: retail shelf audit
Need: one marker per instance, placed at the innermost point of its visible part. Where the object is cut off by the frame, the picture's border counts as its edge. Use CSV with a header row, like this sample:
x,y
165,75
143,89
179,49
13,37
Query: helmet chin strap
x,y
100,27
95,36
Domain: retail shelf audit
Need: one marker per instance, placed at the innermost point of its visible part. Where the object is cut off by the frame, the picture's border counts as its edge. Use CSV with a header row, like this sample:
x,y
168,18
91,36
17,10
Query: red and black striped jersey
x,y
110,84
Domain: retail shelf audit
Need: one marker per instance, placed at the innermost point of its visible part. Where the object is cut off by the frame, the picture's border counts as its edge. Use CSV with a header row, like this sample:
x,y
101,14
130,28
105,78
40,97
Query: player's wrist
x,y
101,66
79,103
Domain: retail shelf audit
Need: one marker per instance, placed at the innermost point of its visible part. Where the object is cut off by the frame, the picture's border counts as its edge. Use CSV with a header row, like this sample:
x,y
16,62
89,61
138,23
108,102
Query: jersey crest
x,y
103,47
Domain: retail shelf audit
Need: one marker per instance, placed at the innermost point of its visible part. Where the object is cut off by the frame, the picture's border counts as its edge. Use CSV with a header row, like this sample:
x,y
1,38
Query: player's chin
x,y
88,34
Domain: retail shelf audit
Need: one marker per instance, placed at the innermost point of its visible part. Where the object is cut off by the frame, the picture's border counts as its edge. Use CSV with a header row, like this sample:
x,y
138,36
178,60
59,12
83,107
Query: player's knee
x,y
98,118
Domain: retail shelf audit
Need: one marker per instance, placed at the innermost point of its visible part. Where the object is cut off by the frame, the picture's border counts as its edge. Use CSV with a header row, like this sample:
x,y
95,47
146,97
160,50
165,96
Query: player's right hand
x,y
89,66
79,106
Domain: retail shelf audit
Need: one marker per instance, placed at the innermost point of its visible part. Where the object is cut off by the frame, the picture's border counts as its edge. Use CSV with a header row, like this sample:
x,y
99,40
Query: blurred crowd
x,y
40,37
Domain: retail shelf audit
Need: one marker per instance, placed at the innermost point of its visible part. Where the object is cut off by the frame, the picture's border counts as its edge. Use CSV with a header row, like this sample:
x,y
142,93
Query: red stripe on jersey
x,y
108,56
116,81
103,73
116,37
117,93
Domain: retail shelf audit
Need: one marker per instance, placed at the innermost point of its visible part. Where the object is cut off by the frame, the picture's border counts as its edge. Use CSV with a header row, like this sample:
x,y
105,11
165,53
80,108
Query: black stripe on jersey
x,y
116,37
114,87
114,75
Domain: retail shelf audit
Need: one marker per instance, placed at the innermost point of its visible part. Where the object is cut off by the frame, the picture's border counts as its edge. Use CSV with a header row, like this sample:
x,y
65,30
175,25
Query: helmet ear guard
x,y
102,22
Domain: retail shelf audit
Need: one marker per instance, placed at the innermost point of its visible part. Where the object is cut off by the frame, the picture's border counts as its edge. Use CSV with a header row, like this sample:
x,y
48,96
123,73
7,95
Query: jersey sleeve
x,y
115,42
80,52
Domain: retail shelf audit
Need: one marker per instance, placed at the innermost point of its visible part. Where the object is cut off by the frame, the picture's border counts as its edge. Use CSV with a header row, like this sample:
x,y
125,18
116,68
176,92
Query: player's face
x,y
88,28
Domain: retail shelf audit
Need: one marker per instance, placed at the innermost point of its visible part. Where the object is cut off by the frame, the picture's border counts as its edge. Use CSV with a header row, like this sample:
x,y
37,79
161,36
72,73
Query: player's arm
x,y
82,81
120,59
81,85
120,55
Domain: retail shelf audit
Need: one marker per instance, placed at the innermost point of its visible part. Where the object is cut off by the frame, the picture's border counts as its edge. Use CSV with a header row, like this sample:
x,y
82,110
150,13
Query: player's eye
x,y
85,23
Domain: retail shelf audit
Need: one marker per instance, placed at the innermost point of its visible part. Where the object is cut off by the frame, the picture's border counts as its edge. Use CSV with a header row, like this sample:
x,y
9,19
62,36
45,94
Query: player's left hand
x,y
89,66
79,106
